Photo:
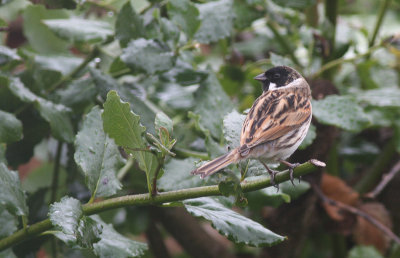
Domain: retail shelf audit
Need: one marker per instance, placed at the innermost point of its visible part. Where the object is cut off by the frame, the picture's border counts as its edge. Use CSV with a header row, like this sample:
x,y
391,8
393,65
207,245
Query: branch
x,y
342,60
331,10
165,197
385,180
382,12
357,212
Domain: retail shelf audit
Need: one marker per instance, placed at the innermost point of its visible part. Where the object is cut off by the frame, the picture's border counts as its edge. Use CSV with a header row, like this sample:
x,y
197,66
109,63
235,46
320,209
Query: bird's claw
x,y
291,170
272,174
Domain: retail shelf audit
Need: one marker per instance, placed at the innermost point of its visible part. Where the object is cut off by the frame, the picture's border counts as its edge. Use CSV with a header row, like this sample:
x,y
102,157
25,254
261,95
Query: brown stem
x,y
356,212
156,242
385,180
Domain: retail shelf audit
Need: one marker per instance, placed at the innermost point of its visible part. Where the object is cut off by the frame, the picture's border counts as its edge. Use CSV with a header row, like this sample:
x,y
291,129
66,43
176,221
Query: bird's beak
x,y
261,77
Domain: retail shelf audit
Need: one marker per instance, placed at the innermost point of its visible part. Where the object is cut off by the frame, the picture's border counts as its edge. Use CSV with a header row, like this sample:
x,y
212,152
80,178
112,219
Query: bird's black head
x,y
277,76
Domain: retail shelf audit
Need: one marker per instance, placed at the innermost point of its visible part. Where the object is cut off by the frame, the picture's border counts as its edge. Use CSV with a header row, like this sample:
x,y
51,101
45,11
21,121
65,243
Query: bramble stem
x,y
165,197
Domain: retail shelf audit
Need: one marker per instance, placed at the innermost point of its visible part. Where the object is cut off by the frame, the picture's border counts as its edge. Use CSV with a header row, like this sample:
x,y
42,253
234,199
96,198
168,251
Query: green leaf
x,y
185,15
310,137
216,21
57,115
212,104
41,177
230,186
246,13
384,97
162,120
77,95
170,32
340,111
177,175
129,25
269,196
113,244
98,156
19,90
231,224
40,37
104,83
80,30
12,197
149,56
61,63
232,78
364,251
65,215
184,74
8,253
176,96
73,227
8,223
8,55
10,128
121,124
277,60
233,123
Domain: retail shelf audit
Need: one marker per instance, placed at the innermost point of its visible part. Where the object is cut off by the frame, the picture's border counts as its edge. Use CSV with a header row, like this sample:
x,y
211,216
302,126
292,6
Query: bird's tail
x,y
217,164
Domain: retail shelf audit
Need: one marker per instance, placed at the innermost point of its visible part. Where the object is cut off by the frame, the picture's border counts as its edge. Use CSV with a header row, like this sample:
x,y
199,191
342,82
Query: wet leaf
x,y
212,104
40,37
129,25
12,198
80,30
72,226
98,156
149,56
121,124
340,111
185,15
231,224
216,21
10,128
113,244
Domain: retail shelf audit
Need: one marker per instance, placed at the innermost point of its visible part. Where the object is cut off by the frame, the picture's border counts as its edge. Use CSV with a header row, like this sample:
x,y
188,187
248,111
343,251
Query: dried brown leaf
x,y
367,234
336,189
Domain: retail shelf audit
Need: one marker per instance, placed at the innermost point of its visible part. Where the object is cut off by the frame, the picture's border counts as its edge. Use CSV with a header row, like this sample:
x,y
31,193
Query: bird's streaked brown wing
x,y
273,115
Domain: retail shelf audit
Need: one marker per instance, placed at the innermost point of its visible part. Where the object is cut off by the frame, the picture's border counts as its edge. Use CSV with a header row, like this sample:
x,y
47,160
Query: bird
x,y
275,125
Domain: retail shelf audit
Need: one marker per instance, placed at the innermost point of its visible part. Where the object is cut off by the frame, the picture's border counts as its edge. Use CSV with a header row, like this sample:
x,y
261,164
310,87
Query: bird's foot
x,y
291,167
272,173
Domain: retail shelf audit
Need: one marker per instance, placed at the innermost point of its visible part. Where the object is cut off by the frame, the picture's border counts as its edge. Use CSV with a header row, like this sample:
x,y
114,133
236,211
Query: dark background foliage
x,y
168,82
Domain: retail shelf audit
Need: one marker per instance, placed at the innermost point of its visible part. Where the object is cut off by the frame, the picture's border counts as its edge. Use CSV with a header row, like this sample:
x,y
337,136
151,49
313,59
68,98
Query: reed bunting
x,y
275,126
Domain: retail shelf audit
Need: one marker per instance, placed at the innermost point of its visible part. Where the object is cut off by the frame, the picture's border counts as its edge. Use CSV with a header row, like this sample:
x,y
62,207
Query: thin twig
x,y
382,12
385,180
56,172
357,212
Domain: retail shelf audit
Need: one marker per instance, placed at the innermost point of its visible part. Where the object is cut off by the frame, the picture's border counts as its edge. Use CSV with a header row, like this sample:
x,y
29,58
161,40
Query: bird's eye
x,y
277,76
